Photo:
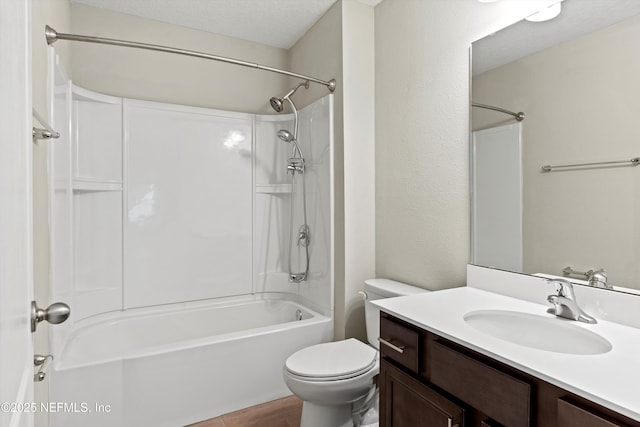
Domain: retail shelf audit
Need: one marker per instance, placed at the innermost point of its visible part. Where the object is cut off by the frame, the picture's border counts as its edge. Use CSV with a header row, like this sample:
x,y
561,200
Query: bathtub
x,y
175,365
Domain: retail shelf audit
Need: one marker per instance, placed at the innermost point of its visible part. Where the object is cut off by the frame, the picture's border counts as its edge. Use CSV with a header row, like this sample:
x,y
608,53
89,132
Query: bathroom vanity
x,y
438,370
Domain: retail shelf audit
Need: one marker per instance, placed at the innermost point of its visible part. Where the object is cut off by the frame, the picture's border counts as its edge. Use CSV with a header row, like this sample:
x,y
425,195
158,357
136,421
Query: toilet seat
x,y
332,361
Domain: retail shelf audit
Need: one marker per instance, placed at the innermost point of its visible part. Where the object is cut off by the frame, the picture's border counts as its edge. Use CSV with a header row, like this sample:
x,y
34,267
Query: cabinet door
x,y
406,402
489,390
570,415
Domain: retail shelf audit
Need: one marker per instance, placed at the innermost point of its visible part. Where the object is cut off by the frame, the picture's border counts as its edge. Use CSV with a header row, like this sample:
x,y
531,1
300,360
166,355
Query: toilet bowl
x,y
331,378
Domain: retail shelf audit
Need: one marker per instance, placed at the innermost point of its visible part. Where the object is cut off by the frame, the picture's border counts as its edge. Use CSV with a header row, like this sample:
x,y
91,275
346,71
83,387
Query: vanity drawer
x,y
399,342
502,397
570,415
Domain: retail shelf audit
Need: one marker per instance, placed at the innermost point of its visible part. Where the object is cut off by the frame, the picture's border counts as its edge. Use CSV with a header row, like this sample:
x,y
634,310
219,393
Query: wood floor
x,y
278,413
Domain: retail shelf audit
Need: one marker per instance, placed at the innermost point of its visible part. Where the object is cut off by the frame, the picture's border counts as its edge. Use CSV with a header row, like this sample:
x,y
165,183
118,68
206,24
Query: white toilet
x,y
331,377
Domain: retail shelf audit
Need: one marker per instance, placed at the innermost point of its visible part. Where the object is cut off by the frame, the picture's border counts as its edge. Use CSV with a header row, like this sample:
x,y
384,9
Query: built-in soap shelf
x,y
274,188
93,184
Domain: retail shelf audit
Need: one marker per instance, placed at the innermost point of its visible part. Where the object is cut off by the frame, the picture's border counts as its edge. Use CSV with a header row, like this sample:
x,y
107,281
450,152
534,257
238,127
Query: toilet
x,y
331,378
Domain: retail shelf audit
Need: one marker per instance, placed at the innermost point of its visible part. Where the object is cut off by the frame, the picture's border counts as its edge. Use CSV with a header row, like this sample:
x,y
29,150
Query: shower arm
x,y
53,36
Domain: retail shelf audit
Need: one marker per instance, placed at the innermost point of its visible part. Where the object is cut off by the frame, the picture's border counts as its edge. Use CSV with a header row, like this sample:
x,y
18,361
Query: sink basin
x,y
539,332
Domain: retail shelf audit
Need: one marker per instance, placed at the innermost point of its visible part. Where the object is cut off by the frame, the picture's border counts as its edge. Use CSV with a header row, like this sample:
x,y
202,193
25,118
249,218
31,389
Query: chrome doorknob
x,y
56,313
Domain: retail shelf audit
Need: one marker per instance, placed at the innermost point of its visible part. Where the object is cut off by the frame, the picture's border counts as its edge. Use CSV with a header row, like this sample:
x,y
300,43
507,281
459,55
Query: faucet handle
x,y
564,288
598,278
564,303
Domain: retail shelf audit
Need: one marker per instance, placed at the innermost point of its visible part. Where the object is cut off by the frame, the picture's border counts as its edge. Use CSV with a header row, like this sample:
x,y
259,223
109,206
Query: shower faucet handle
x,y
303,236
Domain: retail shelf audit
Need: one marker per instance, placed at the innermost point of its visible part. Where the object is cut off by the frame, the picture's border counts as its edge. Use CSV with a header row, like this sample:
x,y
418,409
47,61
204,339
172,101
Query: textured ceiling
x,y
278,23
578,17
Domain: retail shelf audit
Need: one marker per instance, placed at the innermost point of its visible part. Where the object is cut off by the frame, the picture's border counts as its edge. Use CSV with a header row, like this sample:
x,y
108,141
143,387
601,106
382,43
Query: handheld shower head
x,y
278,103
285,135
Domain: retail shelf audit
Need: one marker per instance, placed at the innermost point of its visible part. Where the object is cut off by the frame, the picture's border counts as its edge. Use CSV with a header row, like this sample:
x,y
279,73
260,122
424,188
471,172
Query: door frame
x,y
16,216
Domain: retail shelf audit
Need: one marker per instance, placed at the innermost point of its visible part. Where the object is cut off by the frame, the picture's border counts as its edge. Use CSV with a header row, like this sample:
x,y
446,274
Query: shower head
x,y
278,103
285,135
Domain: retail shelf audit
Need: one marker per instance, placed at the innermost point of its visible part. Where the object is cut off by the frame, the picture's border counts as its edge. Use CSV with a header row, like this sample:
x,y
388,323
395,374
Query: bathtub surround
x,y
135,175
161,205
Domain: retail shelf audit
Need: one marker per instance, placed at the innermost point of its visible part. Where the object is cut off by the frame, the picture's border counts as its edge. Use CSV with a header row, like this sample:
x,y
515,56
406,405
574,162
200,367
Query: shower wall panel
x,y
61,256
272,205
274,191
188,204
86,201
315,139
157,203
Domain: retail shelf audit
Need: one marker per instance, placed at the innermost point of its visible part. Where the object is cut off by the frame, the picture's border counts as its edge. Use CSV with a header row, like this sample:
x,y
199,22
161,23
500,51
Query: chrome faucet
x,y
598,279
595,278
564,302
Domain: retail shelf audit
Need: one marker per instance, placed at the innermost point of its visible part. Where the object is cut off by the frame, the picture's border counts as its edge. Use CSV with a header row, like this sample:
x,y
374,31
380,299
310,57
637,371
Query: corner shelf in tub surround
x,y
94,184
487,381
274,188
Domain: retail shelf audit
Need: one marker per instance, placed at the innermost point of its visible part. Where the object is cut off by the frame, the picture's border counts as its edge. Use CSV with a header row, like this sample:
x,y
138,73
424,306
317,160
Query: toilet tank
x,y
377,289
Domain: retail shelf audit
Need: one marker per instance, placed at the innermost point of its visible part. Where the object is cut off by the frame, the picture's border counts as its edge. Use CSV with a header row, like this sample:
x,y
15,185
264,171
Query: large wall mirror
x,y
558,193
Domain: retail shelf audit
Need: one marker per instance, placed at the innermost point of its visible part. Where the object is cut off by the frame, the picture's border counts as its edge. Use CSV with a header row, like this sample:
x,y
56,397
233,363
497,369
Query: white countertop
x,y
611,379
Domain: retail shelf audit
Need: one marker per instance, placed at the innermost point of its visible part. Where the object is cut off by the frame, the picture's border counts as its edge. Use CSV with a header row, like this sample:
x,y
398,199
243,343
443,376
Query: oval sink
x,y
539,332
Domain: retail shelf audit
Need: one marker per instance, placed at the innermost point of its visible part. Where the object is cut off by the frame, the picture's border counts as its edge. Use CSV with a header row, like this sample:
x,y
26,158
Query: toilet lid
x,y
332,360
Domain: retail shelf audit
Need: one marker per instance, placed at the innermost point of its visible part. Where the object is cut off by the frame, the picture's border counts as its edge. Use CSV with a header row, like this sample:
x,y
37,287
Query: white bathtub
x,y
175,365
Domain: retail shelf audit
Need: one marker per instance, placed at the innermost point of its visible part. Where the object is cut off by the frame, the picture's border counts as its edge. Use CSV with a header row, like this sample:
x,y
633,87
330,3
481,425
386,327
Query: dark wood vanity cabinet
x,y
409,402
426,380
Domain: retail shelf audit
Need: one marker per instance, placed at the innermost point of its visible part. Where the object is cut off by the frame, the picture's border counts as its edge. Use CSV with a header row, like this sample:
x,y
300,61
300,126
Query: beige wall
x,y
580,100
340,46
163,77
422,133
359,158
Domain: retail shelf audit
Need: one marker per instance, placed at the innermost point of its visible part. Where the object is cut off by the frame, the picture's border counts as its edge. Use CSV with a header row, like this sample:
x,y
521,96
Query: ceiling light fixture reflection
x,y
144,207
487,1
233,139
546,13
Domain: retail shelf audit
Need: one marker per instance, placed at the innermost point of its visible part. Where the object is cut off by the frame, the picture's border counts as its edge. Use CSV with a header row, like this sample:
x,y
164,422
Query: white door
x,y
16,259
497,198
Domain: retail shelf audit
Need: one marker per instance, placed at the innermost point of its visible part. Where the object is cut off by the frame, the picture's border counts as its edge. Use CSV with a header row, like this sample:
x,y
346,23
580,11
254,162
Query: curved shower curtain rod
x,y
519,116
53,36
